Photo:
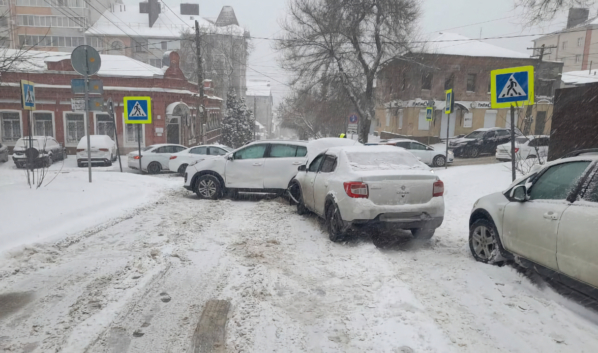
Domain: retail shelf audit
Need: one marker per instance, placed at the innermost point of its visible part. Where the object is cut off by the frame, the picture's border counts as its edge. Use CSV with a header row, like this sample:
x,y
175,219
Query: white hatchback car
x,y
425,153
103,150
525,147
546,220
179,161
261,166
154,158
376,186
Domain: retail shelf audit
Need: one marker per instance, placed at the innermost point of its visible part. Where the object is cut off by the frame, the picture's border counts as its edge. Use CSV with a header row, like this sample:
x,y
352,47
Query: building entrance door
x,y
173,130
540,123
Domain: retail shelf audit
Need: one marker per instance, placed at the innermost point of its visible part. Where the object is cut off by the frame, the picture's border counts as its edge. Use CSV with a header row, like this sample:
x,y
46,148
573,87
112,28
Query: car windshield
x,y
521,140
382,160
148,148
476,135
24,143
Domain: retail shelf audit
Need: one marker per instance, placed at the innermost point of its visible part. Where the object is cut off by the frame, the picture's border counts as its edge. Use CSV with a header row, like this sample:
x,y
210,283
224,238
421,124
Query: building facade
x,y
259,99
405,88
173,103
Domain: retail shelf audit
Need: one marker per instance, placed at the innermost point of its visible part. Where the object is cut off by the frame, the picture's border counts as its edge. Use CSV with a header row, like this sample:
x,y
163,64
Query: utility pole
x,y
200,105
542,49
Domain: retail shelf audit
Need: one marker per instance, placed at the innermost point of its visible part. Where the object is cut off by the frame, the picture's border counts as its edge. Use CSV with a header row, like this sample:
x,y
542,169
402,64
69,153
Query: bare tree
x,y
12,54
537,11
348,40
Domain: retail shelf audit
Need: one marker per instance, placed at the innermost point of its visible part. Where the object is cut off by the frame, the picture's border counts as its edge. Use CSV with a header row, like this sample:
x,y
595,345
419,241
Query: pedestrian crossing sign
x,y
138,110
508,86
27,95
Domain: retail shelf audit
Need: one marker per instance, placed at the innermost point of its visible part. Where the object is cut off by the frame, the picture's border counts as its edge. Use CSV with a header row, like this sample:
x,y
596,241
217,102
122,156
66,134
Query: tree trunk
x,y
364,130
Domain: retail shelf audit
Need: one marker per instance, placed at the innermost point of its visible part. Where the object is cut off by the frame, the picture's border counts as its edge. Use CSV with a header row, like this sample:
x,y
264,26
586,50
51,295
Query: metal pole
x,y
513,172
448,128
254,118
200,106
29,157
86,120
139,145
111,110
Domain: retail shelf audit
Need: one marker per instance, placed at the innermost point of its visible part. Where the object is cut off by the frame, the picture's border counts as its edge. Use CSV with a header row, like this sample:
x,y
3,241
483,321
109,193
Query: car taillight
x,y
438,189
516,149
172,157
137,157
80,149
104,149
357,189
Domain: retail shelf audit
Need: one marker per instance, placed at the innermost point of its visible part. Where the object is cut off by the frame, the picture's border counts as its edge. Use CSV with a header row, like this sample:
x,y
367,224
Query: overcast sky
x,y
261,18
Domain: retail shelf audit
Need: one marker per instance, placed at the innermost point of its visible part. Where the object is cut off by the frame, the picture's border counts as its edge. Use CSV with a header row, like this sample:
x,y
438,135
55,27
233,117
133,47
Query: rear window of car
x,y
25,143
382,161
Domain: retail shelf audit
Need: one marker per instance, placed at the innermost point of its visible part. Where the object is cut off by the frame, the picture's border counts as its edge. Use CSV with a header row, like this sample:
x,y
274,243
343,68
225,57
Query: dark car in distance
x,y
481,141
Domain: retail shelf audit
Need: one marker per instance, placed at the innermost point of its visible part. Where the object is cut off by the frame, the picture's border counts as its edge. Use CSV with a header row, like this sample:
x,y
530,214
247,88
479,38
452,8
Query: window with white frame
x,y
388,114
50,21
577,59
580,41
468,120
51,3
156,62
422,123
104,125
75,127
51,41
564,45
11,126
43,124
490,118
131,134
400,119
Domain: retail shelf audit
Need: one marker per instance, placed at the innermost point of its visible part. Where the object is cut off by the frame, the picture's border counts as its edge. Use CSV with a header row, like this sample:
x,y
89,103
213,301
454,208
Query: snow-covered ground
x,y
139,284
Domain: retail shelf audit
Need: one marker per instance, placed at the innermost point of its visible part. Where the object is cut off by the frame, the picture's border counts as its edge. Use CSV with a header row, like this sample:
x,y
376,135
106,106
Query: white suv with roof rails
x,y
546,220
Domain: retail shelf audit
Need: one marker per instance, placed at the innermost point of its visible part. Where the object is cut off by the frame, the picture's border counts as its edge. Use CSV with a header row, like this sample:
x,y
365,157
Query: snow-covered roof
x,y
258,88
112,65
456,44
127,21
579,77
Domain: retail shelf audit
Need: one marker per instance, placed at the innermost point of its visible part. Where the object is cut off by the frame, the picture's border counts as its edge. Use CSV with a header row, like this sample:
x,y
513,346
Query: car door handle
x,y
257,164
297,163
551,215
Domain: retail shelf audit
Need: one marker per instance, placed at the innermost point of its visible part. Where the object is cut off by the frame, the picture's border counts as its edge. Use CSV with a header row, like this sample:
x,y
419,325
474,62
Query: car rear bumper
x,y
363,210
400,221
503,156
93,160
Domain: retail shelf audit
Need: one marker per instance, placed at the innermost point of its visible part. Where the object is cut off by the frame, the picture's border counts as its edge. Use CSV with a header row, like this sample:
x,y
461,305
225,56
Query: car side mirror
x,y
302,168
519,193
460,136
430,148
230,157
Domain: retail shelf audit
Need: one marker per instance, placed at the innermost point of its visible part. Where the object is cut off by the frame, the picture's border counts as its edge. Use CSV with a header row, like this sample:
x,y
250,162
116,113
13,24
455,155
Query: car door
x,y
246,168
530,228
217,151
195,154
503,136
421,151
322,181
489,142
307,187
161,155
280,165
577,240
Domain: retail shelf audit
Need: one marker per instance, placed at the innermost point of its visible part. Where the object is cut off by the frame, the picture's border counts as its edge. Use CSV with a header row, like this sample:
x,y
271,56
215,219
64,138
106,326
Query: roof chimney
x,y
577,16
227,17
190,9
153,11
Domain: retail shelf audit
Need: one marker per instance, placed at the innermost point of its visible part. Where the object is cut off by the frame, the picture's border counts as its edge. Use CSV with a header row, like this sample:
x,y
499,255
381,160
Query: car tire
x,y
154,168
423,233
208,187
439,161
182,169
109,163
335,223
79,164
301,209
484,242
473,152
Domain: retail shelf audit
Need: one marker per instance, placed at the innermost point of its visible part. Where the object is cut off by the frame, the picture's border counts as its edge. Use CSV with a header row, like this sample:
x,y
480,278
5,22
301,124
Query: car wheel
x,y
301,209
423,233
154,168
182,169
208,187
294,192
109,163
484,242
334,223
79,164
473,152
439,161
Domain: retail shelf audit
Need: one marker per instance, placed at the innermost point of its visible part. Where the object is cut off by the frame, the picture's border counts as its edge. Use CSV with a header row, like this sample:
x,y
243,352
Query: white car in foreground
x,y
525,147
371,186
546,220
103,150
426,154
154,158
261,166
179,161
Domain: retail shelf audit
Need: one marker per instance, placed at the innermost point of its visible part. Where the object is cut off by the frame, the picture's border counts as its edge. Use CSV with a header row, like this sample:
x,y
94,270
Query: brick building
x,y
173,102
405,87
259,99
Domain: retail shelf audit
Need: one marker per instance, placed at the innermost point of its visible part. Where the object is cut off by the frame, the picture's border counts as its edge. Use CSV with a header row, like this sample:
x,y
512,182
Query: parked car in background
x,y
380,187
46,150
546,220
103,150
425,153
3,153
525,147
261,166
154,158
179,161
481,141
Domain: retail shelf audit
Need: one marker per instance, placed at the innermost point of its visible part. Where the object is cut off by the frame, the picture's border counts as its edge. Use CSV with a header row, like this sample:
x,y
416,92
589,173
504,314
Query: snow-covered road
x,y
139,284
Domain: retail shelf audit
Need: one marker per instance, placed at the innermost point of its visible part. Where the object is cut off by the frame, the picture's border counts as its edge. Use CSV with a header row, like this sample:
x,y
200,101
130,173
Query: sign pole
x,y
139,145
111,110
85,78
513,171
30,157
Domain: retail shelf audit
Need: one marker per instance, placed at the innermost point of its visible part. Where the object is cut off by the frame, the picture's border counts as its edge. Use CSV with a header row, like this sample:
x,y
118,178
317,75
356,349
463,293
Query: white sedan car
x,y
546,221
525,147
179,161
425,153
261,166
371,186
103,150
154,158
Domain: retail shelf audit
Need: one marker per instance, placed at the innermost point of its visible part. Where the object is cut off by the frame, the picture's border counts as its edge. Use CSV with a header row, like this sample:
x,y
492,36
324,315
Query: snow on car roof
x,y
315,147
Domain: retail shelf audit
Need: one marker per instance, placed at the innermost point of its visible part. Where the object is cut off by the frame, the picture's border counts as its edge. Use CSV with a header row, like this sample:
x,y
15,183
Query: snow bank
x,y
69,204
